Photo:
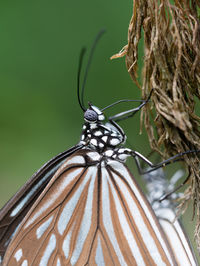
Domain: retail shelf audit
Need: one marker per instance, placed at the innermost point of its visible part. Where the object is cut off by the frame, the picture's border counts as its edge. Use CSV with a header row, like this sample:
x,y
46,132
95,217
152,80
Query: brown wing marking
x,y
89,215
18,206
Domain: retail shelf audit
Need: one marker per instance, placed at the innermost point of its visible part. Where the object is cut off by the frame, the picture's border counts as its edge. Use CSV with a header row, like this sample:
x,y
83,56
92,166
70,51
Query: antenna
x,y
83,50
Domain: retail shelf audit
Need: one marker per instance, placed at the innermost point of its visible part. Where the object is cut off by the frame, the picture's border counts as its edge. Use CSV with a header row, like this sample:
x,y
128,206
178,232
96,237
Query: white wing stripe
x,y
87,217
123,172
67,211
142,228
42,228
21,204
74,160
107,220
58,262
176,242
66,244
48,251
185,243
69,178
99,259
126,229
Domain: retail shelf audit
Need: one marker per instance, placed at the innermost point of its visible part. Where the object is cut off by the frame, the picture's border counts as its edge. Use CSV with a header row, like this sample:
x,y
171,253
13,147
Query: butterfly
x,y
162,198
84,206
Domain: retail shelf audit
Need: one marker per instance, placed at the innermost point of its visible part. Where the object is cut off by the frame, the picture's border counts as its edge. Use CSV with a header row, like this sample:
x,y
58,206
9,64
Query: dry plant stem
x,y
171,33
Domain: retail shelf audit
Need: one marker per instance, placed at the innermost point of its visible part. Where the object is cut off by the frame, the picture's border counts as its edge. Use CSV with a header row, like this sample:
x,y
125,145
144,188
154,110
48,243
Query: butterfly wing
x,y
17,207
90,214
157,187
176,236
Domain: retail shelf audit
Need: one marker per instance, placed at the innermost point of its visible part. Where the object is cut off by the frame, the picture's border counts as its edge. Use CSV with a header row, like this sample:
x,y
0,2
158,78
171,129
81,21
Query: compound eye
x,y
90,116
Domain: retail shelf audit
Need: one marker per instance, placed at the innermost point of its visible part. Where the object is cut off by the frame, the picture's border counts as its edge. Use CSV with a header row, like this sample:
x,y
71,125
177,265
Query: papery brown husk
x,y
171,35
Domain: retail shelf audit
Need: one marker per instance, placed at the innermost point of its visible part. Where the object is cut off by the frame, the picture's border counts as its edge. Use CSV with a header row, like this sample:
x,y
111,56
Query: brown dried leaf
x,y
172,67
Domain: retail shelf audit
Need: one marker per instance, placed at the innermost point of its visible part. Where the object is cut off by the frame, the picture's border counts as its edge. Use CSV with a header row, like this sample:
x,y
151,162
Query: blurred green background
x,y
39,51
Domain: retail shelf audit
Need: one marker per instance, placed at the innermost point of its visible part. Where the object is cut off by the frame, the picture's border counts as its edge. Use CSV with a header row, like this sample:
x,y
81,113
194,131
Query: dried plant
x,y
171,36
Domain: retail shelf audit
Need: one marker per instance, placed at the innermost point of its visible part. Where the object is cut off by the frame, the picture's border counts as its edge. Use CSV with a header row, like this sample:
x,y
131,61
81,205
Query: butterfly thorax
x,y
101,137
107,139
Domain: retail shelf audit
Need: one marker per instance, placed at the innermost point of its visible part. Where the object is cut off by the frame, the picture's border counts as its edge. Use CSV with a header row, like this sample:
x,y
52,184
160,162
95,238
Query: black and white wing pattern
x,y
91,213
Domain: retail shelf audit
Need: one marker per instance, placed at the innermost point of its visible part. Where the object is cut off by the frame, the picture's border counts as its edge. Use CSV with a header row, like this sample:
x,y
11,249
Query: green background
x,y
39,51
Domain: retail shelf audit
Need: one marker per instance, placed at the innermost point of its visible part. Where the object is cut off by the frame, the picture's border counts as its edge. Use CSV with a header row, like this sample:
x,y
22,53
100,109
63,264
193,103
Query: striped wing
x,y
157,187
90,214
177,237
17,207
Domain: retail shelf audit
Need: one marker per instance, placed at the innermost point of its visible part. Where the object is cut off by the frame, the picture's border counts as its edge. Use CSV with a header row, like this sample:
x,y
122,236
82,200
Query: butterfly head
x,y
93,114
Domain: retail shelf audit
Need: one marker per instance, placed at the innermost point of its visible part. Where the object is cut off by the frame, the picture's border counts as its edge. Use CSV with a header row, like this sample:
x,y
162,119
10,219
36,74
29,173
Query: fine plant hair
x,y
170,34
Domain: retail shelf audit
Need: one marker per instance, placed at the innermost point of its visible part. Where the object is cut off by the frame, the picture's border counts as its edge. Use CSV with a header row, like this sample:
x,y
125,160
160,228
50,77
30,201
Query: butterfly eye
x,y
90,116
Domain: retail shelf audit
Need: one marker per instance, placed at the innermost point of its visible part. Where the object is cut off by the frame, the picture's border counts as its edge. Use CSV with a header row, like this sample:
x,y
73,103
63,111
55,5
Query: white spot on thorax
x,y
98,133
18,254
101,145
101,117
105,138
109,153
93,126
114,129
114,141
94,142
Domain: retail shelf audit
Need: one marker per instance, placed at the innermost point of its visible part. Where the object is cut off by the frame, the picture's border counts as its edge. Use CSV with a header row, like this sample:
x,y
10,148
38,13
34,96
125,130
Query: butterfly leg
x,y
129,113
175,189
136,155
